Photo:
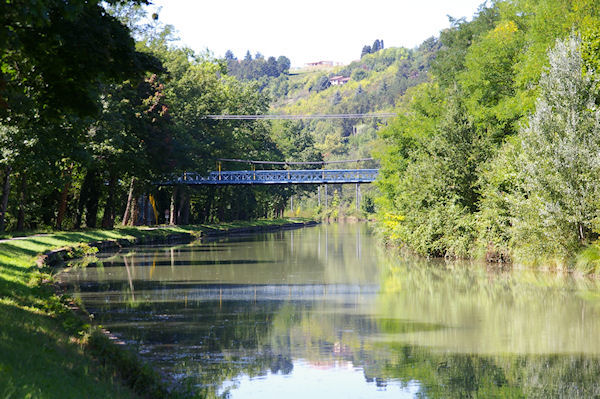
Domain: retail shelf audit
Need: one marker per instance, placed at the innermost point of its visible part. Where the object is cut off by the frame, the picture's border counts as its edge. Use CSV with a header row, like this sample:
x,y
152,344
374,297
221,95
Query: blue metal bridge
x,y
264,177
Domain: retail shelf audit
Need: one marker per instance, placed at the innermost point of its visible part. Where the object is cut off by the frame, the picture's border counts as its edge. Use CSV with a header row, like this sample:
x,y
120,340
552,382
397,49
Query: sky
x,y
308,30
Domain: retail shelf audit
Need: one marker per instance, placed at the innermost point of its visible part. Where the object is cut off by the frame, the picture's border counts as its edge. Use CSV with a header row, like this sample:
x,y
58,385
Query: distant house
x,y
319,64
338,80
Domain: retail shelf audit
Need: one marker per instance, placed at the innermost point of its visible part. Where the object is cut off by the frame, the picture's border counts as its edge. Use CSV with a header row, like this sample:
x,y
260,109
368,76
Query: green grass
x,y
46,351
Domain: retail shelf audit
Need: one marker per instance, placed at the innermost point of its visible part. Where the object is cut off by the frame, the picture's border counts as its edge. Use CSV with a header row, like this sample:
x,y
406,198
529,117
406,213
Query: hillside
x,y
376,83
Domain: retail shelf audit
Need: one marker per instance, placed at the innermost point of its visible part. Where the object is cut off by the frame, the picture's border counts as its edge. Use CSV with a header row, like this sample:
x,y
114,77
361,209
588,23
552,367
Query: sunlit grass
x,y
45,349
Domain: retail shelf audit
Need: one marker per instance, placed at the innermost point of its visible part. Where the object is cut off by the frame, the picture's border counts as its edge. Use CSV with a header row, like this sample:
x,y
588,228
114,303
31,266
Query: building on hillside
x,y
319,64
338,80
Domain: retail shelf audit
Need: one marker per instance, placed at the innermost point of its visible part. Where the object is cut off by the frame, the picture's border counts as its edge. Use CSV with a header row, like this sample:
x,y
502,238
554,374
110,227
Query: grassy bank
x,y
47,351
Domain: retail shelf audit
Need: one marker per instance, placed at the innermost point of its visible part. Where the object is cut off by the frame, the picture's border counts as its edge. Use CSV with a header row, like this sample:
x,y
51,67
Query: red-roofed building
x,y
338,80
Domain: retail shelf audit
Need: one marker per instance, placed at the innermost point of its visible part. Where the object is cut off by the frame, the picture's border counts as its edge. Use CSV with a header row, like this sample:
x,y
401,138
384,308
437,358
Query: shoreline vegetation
x,y
50,346
496,156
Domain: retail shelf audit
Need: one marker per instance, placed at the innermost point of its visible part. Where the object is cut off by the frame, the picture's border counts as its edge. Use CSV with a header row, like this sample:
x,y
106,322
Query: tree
x,y
337,98
560,160
376,46
56,52
283,64
229,56
271,67
359,74
321,84
365,50
456,40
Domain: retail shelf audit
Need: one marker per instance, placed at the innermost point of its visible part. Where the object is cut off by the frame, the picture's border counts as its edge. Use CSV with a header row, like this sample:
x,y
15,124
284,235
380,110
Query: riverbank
x,y
47,349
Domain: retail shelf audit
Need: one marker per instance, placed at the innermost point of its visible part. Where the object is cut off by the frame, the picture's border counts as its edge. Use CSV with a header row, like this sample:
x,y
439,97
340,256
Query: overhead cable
x,y
298,117
250,161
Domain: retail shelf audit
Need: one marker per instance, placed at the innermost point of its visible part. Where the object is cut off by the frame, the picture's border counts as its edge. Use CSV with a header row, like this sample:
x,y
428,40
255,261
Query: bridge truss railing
x,y
310,176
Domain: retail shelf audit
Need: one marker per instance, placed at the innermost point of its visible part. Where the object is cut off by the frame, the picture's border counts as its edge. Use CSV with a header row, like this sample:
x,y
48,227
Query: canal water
x,y
325,312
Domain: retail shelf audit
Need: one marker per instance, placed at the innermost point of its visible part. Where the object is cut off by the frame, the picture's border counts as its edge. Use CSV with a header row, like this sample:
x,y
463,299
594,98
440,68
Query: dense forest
x,y
84,144
496,155
493,153
98,104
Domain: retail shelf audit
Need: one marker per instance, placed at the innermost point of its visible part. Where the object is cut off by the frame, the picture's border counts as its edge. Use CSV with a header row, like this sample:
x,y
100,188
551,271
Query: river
x,y
326,312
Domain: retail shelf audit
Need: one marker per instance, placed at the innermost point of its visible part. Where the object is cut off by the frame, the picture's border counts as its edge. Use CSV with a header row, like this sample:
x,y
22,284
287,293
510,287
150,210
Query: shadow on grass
x,y
17,249
39,360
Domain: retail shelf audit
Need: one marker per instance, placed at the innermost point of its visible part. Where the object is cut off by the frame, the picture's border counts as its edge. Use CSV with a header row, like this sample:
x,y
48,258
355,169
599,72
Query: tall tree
x,y
560,159
283,64
365,50
57,51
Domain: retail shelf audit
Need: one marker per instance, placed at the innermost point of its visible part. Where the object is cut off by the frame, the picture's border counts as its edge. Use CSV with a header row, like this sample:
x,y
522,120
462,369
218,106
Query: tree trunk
x,y
180,207
185,212
83,196
220,206
128,207
135,212
108,221
208,208
144,210
80,207
5,194
22,195
62,205
93,198
172,213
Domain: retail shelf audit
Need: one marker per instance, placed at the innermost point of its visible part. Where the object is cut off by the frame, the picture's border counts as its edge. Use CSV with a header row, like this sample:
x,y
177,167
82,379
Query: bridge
x,y
285,176
263,177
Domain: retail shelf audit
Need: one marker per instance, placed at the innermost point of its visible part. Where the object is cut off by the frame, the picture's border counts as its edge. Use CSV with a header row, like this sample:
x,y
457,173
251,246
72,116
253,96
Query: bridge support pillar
x,y
319,194
292,204
357,196
326,204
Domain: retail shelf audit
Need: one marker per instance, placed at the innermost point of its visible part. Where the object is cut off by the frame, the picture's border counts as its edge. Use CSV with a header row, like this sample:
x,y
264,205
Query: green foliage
x,y
559,162
588,260
359,74
368,204
321,84
475,182
254,69
377,45
590,50
437,192
54,53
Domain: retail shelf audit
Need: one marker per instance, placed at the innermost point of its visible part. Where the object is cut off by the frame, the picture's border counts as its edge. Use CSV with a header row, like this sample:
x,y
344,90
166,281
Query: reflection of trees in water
x,y
204,344
488,312
467,376
416,322
439,375
463,315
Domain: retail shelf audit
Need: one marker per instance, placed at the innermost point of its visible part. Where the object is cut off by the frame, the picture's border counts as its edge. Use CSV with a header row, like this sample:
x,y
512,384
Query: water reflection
x,y
326,312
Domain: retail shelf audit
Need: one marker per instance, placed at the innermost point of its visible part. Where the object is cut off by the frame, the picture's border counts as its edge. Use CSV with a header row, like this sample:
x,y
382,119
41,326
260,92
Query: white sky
x,y
308,30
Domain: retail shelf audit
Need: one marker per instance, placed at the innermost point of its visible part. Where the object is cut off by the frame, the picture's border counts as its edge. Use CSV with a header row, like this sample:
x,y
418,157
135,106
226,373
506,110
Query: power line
x,y
250,161
313,116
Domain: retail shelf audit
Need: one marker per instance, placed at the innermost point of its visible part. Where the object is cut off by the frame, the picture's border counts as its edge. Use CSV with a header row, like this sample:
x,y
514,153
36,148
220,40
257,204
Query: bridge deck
x,y
311,176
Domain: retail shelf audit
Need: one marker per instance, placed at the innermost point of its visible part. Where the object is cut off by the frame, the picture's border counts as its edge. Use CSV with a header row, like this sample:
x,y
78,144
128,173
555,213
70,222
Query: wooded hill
x,y
497,156
495,149
376,82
